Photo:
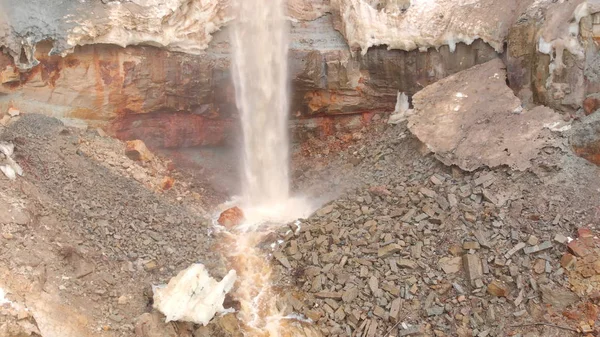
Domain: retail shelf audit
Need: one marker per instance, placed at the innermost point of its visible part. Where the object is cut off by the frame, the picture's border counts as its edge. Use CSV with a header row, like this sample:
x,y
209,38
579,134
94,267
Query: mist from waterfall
x,y
260,72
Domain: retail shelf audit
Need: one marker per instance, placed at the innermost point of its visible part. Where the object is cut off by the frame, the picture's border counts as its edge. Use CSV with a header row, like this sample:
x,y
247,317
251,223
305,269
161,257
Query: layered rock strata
x,y
159,70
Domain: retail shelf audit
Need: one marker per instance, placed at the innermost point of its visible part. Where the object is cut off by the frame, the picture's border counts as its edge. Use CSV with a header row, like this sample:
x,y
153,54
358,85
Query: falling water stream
x,y
260,70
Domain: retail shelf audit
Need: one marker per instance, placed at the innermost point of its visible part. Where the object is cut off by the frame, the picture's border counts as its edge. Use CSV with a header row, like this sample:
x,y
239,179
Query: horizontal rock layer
x,y
110,61
173,99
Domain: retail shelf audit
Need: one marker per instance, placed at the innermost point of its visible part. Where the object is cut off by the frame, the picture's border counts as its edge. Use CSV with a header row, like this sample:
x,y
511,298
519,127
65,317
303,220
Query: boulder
x,y
231,217
473,119
137,150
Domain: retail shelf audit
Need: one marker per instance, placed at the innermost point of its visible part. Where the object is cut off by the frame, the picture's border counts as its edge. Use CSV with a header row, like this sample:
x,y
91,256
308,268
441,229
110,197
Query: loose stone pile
x,y
425,249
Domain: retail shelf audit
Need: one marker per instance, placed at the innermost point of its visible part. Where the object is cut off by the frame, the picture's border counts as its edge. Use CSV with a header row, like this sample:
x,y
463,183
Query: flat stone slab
x,y
473,119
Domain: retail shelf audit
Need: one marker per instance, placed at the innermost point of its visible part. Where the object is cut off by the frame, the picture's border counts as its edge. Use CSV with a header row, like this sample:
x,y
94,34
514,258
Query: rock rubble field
x,y
422,249
402,245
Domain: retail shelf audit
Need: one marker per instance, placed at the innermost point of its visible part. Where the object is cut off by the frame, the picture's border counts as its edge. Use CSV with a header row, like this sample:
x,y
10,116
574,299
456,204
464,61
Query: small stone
x,y
578,248
452,200
374,285
122,300
22,314
472,265
471,245
167,183
379,312
329,294
459,289
101,132
482,239
116,318
416,250
150,266
498,289
381,191
434,311
539,266
395,309
313,315
13,112
137,150
389,250
515,249
4,120
427,192
456,250
557,297
560,239
568,261
450,265
436,180
585,233
231,217
282,259
485,179
586,328
533,240
7,236
405,263
538,248
478,283
409,331
325,210
350,295
519,313
470,217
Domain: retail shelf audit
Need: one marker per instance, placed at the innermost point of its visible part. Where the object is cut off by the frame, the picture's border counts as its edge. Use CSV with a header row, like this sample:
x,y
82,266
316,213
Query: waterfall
x,y
260,72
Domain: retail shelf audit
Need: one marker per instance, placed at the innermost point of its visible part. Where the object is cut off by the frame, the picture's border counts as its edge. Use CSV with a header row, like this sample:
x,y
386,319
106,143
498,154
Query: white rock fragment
x,y
402,109
7,148
193,295
3,299
557,126
11,168
8,172
13,112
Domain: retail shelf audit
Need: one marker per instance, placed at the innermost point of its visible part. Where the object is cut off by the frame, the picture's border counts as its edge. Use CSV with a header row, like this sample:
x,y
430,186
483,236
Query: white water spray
x,y
260,72
260,48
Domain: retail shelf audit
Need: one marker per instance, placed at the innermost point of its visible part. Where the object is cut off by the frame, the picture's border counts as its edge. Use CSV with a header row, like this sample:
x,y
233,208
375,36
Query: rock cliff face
x,y
159,70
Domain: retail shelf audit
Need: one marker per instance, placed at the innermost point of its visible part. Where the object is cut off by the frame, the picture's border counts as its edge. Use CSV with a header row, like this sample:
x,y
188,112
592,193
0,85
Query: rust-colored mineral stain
x,y
71,62
50,70
172,129
167,183
326,126
590,105
590,152
85,114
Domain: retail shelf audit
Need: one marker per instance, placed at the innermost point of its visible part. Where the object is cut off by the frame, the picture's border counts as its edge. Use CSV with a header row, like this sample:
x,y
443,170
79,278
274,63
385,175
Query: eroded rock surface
x,y
425,24
160,70
175,24
472,119
171,100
